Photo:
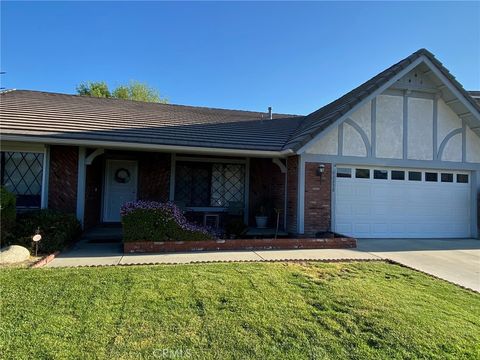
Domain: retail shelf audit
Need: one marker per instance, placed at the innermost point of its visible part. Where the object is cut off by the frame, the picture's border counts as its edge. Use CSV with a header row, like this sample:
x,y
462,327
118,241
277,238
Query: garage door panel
x,y
402,208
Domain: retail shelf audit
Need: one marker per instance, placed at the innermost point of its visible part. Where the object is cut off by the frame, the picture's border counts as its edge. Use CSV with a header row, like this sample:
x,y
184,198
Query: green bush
x,y
7,214
152,221
57,229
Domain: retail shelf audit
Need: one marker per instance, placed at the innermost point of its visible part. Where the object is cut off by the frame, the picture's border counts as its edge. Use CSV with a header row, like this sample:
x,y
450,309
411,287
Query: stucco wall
x,y
389,118
328,145
420,129
353,144
473,146
421,115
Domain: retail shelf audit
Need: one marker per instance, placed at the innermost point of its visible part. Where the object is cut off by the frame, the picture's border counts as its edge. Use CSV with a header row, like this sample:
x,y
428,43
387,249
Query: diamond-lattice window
x,y
200,184
227,184
21,174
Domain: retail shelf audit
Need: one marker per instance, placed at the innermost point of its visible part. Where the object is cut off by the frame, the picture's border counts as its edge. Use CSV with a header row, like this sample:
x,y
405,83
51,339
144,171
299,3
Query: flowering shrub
x,y
156,221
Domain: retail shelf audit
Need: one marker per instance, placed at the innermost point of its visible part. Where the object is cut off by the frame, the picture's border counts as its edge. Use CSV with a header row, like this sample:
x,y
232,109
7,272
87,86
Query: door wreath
x,y
122,176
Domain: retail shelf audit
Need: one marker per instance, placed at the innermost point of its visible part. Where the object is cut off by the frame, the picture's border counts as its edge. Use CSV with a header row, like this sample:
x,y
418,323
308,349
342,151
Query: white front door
x,y
120,187
375,202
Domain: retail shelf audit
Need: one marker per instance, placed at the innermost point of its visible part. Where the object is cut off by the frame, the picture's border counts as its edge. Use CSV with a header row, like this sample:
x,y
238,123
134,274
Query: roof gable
x,y
316,124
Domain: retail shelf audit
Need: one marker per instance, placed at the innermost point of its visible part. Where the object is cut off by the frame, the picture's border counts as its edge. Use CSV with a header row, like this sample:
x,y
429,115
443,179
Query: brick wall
x,y
318,195
154,176
292,193
266,181
62,187
93,192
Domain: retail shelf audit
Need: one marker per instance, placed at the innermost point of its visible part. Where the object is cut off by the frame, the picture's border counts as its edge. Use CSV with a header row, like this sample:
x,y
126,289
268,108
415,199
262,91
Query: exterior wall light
x,y
320,170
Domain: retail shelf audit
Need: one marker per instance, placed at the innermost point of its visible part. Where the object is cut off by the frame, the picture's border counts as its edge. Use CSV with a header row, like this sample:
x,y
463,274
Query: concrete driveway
x,y
455,260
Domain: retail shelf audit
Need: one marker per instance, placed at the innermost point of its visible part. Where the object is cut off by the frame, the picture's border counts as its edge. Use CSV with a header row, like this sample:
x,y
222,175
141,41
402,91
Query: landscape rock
x,y
13,254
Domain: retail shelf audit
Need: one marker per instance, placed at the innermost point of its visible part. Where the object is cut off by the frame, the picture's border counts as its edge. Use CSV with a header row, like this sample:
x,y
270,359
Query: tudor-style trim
x,y
81,180
412,93
374,94
360,131
445,141
405,125
435,127
340,140
144,146
447,84
373,130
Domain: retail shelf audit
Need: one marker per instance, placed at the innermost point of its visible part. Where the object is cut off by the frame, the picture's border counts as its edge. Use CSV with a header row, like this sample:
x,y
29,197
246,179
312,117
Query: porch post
x,y
45,176
285,202
171,195
81,178
247,190
301,195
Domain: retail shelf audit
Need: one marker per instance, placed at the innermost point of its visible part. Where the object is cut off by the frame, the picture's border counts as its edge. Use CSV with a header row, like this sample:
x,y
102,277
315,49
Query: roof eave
x,y
146,146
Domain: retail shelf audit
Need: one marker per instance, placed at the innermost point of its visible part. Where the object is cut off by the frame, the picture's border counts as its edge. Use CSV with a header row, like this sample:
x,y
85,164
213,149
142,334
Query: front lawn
x,y
236,311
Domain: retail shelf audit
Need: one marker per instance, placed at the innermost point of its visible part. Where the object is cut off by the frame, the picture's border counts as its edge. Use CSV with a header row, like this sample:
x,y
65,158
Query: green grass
x,y
236,311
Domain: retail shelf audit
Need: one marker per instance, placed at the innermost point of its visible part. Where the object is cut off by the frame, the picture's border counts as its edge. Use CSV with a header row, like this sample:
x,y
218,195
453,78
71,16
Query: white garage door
x,y
398,203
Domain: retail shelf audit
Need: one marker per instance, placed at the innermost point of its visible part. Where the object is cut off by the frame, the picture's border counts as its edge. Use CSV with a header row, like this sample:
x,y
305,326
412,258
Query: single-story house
x,y
396,157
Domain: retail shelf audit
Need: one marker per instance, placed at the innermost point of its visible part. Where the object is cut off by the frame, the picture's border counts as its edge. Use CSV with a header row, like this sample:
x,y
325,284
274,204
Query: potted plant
x,y
261,217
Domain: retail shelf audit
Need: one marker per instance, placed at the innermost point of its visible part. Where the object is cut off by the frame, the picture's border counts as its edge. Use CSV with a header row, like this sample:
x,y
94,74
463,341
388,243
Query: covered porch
x,y
214,190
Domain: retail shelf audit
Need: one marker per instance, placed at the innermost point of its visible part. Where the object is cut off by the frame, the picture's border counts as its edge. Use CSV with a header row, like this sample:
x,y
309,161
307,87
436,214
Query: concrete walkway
x,y
455,260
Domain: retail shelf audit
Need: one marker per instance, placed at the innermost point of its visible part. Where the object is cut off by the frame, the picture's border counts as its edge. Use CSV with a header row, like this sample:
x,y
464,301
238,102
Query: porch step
x,y
103,235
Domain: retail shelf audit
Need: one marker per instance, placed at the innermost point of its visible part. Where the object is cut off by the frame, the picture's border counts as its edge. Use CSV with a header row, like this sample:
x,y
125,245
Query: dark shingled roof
x,y
314,123
34,113
64,116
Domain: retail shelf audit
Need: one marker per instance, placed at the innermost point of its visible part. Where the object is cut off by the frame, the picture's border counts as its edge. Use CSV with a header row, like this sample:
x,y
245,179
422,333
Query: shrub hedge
x,y
7,214
57,229
155,221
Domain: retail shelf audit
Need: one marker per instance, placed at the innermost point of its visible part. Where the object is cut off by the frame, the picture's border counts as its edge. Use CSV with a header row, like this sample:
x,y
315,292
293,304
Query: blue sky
x,y
295,57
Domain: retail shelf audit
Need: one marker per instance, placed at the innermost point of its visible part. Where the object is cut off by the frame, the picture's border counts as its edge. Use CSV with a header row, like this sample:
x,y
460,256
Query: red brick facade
x,y
62,187
154,176
318,199
240,244
266,182
292,193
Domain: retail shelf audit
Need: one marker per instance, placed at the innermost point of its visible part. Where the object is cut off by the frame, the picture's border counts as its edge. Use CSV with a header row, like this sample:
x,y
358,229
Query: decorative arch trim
x,y
364,136
450,135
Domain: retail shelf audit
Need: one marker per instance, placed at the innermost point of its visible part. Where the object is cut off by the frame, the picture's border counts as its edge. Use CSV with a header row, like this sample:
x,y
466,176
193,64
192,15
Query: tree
x,y
133,91
94,88
139,92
